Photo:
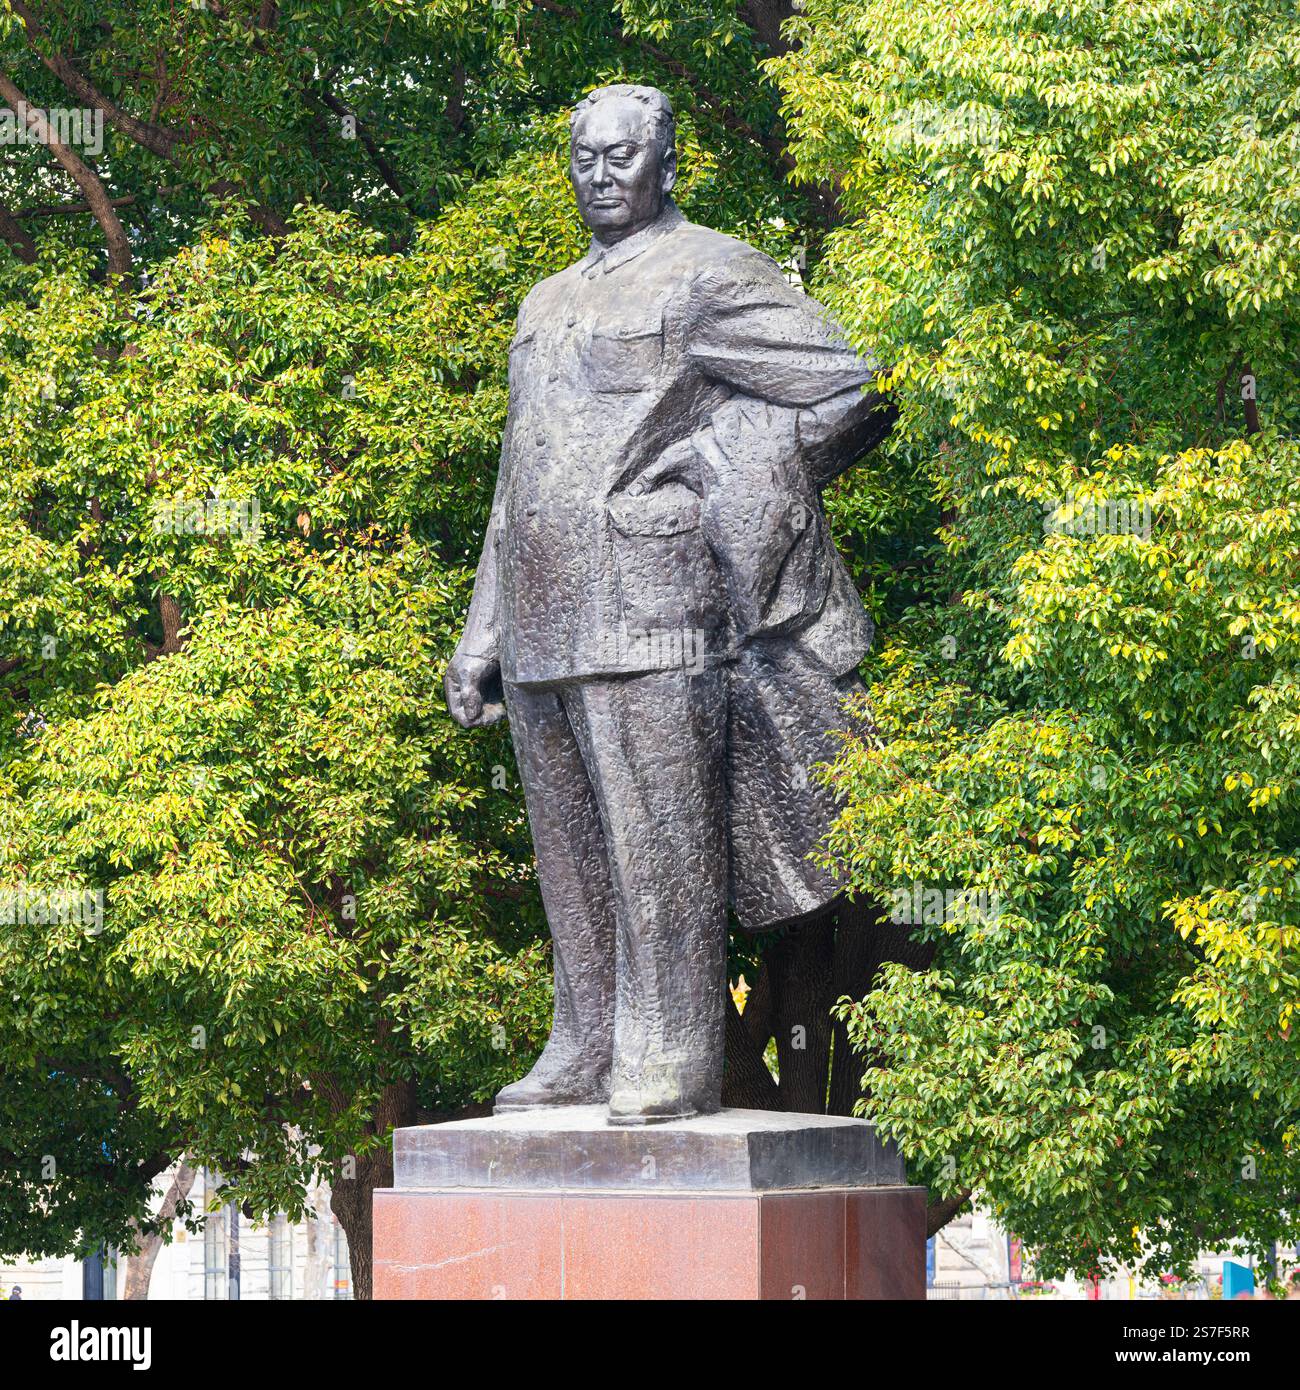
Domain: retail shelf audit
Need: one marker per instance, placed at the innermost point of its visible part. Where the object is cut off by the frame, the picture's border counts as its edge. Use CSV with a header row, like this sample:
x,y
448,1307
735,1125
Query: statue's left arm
x,y
750,330
800,409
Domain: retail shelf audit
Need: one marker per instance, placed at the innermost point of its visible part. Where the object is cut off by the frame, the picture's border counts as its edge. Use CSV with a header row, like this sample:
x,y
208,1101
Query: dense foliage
x,y
267,901
1074,232
252,354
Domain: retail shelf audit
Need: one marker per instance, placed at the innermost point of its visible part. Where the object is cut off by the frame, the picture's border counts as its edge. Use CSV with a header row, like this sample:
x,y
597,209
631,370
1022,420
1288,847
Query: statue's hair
x,y
659,110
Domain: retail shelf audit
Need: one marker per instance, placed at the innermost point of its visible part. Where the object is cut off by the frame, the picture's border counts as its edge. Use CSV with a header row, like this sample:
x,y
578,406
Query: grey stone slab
x,y
572,1148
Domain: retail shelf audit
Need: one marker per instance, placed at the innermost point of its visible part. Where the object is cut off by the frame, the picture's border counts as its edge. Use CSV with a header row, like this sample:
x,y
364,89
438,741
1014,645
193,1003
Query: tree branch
x,y
149,1236
119,247
24,247
938,1214
67,209
105,1075
377,156
156,139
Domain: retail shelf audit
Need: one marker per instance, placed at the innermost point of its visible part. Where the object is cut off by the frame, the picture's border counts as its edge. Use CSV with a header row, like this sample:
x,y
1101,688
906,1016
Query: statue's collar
x,y
609,258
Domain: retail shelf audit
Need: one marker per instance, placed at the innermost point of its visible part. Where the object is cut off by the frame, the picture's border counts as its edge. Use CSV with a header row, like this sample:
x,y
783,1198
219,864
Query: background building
x,y
233,1258
972,1258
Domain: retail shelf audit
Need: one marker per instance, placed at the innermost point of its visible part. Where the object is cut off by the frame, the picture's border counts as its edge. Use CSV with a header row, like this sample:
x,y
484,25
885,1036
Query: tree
x,y
263,901
253,350
1072,231
305,877
148,1243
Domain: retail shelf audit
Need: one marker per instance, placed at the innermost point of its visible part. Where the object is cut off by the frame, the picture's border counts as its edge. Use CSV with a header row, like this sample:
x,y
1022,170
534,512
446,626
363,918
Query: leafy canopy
x,y
1074,235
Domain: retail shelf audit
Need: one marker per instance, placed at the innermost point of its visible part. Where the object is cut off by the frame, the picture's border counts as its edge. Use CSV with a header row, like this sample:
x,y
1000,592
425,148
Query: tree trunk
x,y
853,963
822,958
170,613
800,969
746,1082
757,1017
14,233
352,1197
865,940
765,18
1249,403
315,1270
139,1267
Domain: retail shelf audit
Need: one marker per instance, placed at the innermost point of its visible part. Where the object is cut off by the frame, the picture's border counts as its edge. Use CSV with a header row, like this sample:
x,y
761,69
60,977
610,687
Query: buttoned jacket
x,y
675,408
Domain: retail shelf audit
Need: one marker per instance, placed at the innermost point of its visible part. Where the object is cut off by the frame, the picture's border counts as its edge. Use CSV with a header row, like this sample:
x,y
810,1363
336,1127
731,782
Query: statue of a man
x,y
662,611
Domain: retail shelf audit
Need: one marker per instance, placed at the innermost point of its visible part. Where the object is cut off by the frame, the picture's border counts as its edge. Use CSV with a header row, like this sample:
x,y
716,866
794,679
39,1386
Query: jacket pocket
x,y
521,350
624,357
667,581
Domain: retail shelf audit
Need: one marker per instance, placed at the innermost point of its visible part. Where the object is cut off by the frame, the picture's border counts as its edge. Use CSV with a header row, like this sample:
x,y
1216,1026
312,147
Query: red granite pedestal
x,y
558,1204
866,1243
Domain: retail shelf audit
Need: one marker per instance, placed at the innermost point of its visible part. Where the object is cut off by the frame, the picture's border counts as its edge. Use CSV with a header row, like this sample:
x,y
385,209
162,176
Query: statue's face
x,y
618,175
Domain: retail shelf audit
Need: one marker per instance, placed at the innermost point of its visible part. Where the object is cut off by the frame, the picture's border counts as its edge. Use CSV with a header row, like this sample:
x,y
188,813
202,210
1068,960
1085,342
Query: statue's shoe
x,y
552,1085
629,1107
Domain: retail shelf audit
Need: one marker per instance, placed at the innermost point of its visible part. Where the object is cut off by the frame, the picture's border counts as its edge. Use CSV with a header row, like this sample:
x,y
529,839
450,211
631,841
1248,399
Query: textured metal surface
x,y
661,609
574,1149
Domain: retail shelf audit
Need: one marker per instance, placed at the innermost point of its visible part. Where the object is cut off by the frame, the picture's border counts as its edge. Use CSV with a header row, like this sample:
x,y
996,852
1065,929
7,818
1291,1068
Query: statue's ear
x,y
670,171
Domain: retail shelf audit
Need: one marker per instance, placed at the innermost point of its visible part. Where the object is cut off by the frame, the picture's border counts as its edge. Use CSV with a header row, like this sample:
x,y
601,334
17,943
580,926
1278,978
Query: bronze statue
x,y
662,611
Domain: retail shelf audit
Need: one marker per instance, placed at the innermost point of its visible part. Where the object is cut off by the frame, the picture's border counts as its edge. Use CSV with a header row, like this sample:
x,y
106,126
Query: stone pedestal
x,y
744,1204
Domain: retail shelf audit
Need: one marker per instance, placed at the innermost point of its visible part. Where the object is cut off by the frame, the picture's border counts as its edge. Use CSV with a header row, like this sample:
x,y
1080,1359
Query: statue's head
x,y
622,158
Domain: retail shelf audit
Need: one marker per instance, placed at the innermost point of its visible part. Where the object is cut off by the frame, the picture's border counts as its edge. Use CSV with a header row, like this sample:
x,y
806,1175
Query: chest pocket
x,y
624,356
521,350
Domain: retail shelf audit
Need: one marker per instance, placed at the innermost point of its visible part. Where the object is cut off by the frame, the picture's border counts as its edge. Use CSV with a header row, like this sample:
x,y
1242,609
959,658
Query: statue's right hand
x,y
473,690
